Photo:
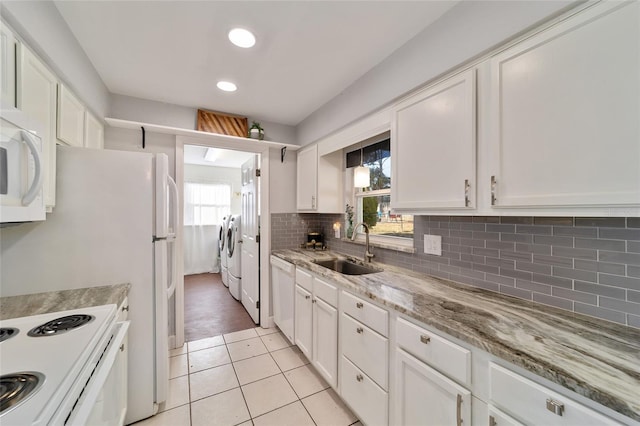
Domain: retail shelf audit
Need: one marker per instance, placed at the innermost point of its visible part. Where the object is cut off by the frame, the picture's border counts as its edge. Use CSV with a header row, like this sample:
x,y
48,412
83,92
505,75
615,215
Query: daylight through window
x,y
206,203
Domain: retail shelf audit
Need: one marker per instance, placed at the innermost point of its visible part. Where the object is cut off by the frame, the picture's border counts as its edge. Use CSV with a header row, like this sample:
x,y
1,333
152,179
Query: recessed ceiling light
x,y
227,86
242,38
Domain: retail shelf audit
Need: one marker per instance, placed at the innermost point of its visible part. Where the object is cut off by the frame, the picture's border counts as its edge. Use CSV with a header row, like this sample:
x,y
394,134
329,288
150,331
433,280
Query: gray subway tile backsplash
x,y
586,265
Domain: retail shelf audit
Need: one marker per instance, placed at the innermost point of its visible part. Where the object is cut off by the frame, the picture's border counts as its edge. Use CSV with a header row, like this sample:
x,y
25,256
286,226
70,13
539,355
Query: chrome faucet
x,y
367,253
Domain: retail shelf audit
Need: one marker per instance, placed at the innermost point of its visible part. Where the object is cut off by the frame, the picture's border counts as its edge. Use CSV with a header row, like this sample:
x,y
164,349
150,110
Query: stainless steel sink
x,y
347,267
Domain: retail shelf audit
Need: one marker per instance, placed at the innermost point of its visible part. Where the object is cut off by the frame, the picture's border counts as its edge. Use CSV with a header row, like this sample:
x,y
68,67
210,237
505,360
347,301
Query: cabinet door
x,y
303,321
565,108
37,99
70,118
93,132
425,397
325,340
307,178
8,45
434,147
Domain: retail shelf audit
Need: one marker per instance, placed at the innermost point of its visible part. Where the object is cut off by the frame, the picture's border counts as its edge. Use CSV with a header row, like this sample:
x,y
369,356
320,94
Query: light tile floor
x,y
250,377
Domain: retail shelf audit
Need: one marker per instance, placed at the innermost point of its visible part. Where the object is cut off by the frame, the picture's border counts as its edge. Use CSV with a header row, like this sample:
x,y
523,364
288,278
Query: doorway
x,y
213,275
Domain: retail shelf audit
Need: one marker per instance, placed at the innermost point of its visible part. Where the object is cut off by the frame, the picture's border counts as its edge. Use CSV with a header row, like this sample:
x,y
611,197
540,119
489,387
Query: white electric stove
x,y
54,366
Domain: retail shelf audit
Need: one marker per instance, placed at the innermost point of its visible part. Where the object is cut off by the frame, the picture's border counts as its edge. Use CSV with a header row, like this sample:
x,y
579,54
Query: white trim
x,y
179,247
238,144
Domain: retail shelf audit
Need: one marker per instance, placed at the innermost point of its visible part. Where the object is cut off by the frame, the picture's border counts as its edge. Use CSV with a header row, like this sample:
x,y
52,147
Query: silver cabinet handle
x,y
425,339
493,190
122,347
492,421
459,410
359,377
307,297
555,407
466,192
313,202
360,330
125,308
313,301
359,305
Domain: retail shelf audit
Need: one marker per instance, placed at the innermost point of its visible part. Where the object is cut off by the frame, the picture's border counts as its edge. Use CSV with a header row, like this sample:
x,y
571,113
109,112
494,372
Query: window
x,y
372,205
206,203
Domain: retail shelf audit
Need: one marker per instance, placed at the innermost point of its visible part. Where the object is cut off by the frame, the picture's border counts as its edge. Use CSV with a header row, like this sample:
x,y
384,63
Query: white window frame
x,y
211,183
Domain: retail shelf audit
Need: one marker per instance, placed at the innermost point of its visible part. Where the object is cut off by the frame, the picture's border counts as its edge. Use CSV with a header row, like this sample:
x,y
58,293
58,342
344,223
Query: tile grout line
x,y
239,385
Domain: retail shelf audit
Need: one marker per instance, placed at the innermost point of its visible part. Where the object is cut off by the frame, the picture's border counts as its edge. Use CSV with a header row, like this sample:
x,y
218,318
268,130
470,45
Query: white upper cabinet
x,y
8,44
433,145
319,181
564,114
37,98
93,131
307,178
71,115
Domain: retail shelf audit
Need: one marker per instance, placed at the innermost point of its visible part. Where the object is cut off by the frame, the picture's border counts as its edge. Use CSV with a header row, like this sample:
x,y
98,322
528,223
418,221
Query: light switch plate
x,y
433,244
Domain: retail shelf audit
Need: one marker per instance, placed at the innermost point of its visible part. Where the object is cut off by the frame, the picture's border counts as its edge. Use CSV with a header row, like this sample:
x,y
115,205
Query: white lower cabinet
x,y
303,320
364,360
367,400
316,323
423,396
532,403
325,340
498,418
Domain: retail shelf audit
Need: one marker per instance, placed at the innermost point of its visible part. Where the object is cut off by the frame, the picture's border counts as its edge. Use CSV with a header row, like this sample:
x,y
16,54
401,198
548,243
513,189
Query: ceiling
x,y
223,157
307,52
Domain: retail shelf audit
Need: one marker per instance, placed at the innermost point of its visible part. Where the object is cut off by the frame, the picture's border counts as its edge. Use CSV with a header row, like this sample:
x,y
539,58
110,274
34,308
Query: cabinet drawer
x,y
449,358
365,312
498,418
366,399
325,291
532,403
366,349
304,279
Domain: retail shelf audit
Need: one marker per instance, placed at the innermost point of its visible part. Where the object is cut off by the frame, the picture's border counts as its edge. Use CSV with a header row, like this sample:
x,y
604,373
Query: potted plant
x,y
256,131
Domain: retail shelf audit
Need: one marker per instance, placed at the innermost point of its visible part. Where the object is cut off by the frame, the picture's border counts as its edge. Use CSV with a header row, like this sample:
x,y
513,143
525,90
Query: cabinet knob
x,y
359,305
359,377
125,308
122,347
555,407
425,339
360,330
307,297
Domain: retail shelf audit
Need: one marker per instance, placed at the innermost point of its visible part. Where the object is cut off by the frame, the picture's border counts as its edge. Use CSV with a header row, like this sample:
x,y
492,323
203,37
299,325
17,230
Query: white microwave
x,y
21,173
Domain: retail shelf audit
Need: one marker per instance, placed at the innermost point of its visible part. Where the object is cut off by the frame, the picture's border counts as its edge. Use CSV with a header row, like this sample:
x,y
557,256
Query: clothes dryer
x,y
222,246
234,235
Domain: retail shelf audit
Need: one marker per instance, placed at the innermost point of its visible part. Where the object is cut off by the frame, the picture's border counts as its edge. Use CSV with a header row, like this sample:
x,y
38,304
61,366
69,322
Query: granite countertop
x,y
56,301
594,358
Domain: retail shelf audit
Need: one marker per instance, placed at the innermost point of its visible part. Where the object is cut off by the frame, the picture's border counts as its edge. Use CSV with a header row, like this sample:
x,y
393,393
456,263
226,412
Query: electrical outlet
x,y
433,244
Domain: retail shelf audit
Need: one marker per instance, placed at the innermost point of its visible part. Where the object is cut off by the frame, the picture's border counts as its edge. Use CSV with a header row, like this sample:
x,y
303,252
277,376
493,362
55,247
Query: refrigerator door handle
x,y
173,189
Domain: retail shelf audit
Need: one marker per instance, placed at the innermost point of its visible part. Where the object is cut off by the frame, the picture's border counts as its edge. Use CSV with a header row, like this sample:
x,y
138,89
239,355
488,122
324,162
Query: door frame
x,y
211,140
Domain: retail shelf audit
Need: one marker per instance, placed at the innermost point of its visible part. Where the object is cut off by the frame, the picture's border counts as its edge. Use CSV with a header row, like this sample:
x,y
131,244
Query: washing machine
x,y
222,246
234,235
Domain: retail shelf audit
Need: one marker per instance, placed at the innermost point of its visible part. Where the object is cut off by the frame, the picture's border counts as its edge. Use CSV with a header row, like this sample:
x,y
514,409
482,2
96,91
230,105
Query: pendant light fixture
x,y
361,174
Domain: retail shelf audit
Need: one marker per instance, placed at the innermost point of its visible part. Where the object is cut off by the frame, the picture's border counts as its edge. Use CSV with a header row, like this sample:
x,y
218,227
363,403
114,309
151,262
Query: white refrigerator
x,y
114,222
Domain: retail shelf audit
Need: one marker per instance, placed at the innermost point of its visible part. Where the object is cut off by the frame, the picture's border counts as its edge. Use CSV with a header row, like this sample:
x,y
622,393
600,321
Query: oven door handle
x,y
100,376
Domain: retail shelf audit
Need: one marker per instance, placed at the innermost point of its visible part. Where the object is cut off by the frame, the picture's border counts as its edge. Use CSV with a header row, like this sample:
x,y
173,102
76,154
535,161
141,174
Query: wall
x,y
44,30
464,32
146,111
131,140
282,181
585,265
197,173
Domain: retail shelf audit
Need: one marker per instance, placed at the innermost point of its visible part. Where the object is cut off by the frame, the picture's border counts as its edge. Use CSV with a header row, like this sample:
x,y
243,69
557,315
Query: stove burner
x,y
60,325
7,333
18,387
